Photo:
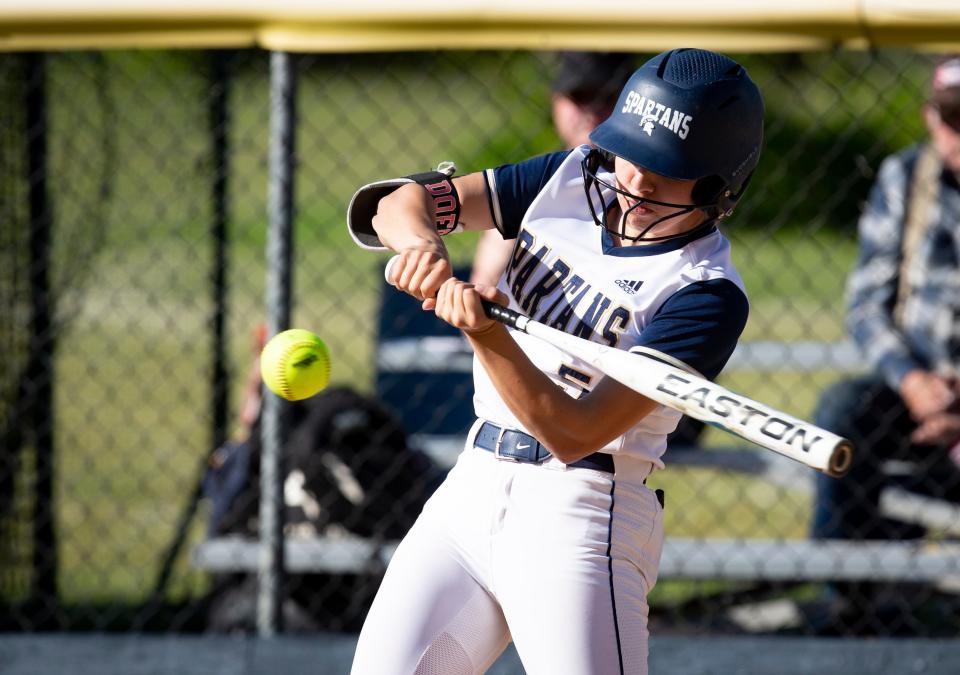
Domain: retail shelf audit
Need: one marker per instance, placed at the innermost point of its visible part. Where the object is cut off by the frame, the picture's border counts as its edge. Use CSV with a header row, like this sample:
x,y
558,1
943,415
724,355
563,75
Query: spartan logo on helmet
x,y
652,111
720,151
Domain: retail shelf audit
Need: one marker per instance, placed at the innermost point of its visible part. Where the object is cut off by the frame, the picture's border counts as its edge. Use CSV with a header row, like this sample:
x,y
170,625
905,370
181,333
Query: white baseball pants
x,y
558,560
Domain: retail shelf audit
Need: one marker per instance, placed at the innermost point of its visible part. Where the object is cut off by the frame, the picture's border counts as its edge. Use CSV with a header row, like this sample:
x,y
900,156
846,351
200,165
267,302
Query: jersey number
x,y
578,380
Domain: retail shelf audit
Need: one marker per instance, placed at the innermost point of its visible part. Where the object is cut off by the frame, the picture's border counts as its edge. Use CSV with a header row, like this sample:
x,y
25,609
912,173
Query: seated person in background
x,y
348,466
904,313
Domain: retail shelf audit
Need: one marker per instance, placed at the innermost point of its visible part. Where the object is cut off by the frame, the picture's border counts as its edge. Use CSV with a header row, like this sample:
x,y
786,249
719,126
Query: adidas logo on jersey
x,y
630,287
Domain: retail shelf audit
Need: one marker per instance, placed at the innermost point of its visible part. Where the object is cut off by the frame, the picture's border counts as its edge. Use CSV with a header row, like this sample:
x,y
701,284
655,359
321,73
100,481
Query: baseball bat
x,y
660,377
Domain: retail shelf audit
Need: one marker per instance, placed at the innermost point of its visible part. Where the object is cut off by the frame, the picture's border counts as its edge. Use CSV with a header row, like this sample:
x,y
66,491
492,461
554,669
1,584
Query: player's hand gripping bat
x,y
659,377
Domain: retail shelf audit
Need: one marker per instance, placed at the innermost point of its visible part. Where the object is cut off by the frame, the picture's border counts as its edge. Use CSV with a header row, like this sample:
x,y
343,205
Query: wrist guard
x,y
438,184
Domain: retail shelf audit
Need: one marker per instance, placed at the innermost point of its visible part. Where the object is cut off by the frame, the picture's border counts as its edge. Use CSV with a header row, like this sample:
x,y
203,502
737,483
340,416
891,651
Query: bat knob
x,y
389,269
841,459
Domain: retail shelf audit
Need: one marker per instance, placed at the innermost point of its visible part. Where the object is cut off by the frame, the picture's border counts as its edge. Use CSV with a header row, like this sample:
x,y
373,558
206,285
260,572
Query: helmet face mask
x,y
686,114
594,187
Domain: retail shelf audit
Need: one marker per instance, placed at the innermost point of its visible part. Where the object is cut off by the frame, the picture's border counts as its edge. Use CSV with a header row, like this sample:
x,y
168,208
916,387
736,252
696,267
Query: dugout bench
x,y
424,373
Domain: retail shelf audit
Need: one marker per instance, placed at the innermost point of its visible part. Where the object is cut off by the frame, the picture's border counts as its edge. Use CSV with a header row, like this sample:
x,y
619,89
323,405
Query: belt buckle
x,y
496,447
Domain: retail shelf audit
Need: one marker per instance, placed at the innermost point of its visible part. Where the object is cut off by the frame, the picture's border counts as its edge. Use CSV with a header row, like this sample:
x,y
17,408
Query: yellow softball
x,y
295,364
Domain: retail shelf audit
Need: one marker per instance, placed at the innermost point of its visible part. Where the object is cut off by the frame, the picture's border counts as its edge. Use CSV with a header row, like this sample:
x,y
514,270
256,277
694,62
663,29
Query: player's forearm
x,y
405,220
564,424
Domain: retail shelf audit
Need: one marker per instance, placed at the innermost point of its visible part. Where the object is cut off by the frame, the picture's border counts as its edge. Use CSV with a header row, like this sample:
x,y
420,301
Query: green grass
x,y
133,367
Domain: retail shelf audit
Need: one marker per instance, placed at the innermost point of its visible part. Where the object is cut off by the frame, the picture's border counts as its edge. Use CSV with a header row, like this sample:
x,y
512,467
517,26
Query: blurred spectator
x,y
253,386
584,93
350,454
904,313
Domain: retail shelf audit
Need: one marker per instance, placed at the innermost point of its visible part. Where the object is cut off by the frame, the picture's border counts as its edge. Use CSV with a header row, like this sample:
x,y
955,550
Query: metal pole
x,y
279,289
218,117
39,382
218,113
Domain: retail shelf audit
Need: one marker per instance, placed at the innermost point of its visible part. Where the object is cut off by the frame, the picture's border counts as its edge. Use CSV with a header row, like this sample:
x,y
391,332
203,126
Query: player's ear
x,y
707,190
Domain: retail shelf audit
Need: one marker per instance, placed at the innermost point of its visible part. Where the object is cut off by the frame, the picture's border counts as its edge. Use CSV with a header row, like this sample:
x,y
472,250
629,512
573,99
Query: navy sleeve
x,y
513,188
700,325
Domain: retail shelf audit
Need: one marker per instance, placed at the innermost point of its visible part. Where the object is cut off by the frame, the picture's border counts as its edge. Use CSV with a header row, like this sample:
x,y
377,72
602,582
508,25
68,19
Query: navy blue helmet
x,y
688,114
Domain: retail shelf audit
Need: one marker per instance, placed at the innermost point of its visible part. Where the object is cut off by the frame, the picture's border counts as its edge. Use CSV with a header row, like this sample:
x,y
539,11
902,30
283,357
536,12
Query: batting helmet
x,y
690,114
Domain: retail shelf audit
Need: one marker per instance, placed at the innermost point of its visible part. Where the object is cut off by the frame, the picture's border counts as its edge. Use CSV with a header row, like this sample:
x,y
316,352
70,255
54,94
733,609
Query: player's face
x,y
944,129
643,184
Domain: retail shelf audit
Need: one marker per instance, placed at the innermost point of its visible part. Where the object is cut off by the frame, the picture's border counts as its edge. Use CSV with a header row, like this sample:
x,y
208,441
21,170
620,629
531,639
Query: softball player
x,y
544,531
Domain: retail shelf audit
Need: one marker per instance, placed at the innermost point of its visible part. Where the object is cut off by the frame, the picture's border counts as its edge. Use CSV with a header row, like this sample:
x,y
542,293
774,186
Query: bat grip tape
x,y
504,315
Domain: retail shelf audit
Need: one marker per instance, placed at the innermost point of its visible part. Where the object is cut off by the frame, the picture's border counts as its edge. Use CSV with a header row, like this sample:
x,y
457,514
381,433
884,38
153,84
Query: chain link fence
x,y
133,218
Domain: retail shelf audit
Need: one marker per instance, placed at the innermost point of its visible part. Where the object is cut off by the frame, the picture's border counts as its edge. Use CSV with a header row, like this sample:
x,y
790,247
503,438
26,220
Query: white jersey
x,y
564,275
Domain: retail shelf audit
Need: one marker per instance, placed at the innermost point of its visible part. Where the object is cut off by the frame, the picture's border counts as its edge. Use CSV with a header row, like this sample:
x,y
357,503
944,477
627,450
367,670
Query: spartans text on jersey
x,y
532,281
